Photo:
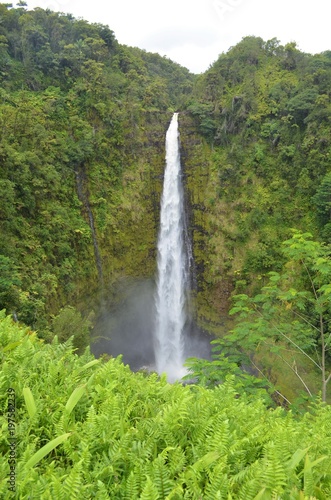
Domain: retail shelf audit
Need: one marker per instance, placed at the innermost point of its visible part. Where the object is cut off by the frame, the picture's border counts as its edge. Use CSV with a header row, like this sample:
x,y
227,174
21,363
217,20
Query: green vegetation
x,y
83,123
265,113
283,330
92,429
262,168
291,314
81,152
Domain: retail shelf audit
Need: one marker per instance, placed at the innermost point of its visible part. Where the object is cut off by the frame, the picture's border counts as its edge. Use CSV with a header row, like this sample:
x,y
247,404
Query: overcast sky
x,y
194,32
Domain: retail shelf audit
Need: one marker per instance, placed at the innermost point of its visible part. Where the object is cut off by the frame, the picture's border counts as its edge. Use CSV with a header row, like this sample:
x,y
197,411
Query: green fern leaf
x,y
160,476
150,491
132,487
73,483
56,489
218,484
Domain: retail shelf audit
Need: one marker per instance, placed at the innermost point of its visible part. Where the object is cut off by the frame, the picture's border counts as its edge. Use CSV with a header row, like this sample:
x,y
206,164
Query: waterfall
x,y
171,265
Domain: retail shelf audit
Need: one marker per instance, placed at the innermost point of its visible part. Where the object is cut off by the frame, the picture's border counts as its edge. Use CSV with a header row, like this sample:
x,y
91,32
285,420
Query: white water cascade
x,y
171,266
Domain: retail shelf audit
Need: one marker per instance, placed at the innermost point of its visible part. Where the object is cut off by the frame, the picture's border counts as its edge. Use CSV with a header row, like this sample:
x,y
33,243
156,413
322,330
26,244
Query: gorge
x,y
124,251
82,160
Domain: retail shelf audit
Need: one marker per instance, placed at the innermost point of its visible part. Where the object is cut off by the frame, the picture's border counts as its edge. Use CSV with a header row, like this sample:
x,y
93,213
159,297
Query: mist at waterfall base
x,y
152,328
127,328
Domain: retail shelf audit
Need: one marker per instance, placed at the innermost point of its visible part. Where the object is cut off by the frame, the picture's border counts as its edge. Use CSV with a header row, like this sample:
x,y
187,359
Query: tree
x,y
69,322
302,103
293,310
9,284
322,199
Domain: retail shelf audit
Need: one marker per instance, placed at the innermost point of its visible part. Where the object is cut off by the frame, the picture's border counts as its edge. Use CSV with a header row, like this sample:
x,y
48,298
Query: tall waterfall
x,y
171,265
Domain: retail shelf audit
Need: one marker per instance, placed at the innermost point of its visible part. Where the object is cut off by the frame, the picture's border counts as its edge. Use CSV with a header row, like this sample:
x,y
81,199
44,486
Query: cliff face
x,y
129,240
211,286
129,248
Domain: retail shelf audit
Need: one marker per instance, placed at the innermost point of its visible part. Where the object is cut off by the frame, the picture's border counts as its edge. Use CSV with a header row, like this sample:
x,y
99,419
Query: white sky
x,y
194,32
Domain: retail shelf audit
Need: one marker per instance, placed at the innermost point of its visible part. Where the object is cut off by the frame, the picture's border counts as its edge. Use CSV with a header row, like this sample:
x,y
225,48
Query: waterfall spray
x,y
171,265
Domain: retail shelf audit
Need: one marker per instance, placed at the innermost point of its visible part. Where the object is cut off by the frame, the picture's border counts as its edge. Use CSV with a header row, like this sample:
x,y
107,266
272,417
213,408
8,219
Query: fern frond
x,y
218,484
149,491
39,489
161,477
132,487
251,489
218,436
73,484
91,430
176,462
102,492
274,476
56,489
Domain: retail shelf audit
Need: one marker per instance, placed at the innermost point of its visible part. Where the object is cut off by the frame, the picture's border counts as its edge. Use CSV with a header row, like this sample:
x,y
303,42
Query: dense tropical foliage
x,y
265,110
81,148
87,428
83,121
284,329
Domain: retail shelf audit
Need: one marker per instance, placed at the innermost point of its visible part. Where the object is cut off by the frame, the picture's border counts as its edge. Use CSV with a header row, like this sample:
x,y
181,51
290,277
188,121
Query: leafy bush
x,y
69,322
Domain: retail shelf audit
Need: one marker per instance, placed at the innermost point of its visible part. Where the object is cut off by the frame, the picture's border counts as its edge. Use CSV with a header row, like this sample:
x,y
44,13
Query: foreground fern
x,y
87,429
